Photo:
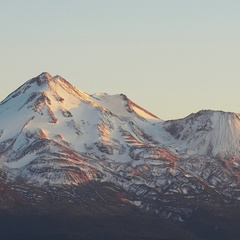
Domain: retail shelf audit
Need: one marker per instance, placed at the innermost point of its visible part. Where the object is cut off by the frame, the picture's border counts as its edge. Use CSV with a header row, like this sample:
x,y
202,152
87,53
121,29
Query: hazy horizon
x,y
170,57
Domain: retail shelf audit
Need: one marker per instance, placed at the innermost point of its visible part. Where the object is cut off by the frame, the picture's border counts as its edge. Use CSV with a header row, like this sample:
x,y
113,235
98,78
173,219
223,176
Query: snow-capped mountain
x,y
209,133
49,124
53,135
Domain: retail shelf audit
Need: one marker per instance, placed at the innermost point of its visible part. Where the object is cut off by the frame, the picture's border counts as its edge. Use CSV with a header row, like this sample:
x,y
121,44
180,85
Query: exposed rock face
x,y
54,136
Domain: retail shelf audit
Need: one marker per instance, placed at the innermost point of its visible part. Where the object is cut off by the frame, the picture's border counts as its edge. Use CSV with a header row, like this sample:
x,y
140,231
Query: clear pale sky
x,y
172,57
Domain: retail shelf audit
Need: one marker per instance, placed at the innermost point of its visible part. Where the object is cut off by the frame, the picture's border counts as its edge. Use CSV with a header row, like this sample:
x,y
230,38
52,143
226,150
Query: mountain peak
x,y
45,75
41,79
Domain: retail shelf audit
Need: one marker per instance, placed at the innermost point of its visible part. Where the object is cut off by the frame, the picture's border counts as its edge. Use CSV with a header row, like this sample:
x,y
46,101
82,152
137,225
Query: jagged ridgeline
x,y
104,154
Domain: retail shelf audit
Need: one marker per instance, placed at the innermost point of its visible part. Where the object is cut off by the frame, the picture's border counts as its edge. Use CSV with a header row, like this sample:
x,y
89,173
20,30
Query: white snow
x,y
120,105
118,124
21,162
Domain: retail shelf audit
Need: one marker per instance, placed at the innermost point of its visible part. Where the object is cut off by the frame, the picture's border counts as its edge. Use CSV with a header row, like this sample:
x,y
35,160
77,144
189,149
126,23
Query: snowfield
x,y
52,133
